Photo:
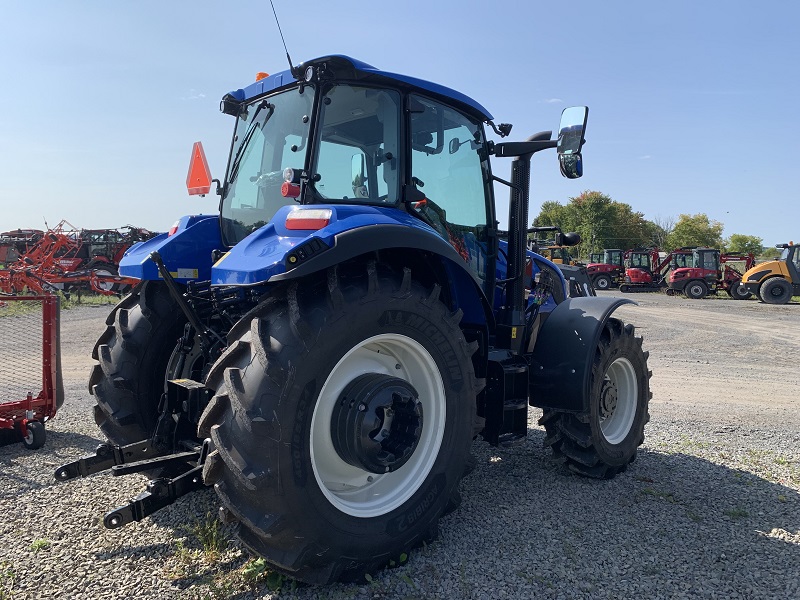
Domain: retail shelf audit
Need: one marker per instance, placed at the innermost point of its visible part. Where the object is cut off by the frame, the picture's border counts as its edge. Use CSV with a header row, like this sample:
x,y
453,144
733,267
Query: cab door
x,y
449,165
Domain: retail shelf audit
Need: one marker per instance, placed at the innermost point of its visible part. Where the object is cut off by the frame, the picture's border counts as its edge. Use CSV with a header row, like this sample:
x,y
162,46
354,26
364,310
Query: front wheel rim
x,y
357,491
619,397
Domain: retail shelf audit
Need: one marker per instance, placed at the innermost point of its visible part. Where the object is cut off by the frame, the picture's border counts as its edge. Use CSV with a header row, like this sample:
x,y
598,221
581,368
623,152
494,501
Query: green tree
x,y
600,221
695,230
738,242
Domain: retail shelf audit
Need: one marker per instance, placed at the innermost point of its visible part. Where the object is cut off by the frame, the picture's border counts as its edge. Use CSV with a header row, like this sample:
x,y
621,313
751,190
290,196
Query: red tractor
x,y
646,270
608,271
711,272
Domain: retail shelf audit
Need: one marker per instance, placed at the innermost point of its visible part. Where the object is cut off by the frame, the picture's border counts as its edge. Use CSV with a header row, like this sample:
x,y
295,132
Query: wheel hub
x,y
377,422
609,396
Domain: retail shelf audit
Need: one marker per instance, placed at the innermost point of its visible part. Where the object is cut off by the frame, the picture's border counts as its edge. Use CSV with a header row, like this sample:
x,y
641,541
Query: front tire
x,y
776,291
602,282
696,290
342,422
133,355
601,442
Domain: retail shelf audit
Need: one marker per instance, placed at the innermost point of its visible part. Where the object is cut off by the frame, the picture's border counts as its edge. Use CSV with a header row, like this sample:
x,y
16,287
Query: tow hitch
x,y
185,457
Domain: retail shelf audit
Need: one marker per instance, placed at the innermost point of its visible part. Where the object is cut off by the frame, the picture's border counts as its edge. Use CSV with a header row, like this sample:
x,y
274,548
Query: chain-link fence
x,y
29,357
20,348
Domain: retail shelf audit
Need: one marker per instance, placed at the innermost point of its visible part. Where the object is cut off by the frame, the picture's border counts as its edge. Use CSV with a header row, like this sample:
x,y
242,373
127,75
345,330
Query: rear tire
x,y
776,291
133,355
294,460
602,282
696,290
603,441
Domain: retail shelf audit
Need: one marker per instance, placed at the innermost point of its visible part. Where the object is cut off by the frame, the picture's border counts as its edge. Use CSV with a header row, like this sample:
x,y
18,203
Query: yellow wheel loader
x,y
776,281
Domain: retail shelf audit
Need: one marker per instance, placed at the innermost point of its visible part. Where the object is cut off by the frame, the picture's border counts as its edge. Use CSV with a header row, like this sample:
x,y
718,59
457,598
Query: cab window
x,y
357,157
448,166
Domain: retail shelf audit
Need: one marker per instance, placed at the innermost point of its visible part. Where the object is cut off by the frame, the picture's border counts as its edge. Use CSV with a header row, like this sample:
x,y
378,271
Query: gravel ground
x,y
710,509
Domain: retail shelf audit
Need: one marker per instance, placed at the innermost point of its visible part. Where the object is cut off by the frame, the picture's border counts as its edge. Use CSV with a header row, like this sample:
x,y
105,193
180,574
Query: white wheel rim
x,y
619,415
351,489
29,436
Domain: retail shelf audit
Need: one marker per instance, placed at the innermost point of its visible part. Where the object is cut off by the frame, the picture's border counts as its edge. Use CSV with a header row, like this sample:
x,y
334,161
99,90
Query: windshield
x,y
271,135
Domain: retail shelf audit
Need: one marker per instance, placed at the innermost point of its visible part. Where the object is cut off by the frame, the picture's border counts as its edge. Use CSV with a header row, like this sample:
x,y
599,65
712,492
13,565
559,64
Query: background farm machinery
x,y
606,269
710,272
646,270
65,258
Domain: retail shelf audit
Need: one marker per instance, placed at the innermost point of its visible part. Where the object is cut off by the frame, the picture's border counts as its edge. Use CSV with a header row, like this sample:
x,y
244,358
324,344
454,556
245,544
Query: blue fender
x,y
186,252
275,253
562,359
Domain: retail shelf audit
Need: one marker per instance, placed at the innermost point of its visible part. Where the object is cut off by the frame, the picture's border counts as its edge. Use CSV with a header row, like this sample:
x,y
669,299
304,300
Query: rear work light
x,y
308,218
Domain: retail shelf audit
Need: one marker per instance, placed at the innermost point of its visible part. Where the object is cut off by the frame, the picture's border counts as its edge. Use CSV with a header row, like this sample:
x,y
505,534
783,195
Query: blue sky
x,y
690,101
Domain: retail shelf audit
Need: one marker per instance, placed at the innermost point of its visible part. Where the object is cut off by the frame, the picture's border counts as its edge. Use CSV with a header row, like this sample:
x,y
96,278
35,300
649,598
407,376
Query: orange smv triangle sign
x,y
198,181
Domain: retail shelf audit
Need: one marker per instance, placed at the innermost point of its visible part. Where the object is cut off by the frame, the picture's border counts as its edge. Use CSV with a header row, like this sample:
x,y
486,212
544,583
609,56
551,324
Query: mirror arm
x,y
504,182
535,143
219,186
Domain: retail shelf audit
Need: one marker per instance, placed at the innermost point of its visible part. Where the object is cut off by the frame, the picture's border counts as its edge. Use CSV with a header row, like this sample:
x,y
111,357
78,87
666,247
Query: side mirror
x,y
567,239
571,165
572,129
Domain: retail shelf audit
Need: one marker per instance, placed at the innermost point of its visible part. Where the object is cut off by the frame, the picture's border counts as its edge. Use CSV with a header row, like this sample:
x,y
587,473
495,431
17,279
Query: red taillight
x,y
174,229
308,218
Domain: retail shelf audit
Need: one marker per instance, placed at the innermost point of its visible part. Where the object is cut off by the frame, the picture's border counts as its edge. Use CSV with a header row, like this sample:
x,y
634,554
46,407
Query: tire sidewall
x,y
141,357
768,295
695,290
322,520
623,346
602,282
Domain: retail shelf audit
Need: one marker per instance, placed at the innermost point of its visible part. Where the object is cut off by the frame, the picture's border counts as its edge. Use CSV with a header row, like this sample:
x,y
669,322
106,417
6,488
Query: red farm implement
x,y
31,388
65,258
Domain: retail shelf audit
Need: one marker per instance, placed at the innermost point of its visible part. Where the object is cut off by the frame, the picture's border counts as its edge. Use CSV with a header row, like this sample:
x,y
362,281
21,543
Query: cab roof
x,y
347,68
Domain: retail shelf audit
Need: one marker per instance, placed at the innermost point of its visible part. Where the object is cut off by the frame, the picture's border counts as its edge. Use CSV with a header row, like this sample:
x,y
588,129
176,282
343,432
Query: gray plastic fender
x,y
561,362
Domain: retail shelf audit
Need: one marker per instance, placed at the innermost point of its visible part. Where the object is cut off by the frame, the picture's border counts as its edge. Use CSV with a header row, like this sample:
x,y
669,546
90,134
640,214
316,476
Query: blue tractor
x,y
326,349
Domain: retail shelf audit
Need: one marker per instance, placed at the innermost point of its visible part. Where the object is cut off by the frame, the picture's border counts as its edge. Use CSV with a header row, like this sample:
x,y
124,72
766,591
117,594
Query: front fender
x,y
186,252
562,359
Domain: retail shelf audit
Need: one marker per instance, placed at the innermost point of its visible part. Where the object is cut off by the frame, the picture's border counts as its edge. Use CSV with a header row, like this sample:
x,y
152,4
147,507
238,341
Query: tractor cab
x,y
613,256
639,266
707,261
606,269
314,160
